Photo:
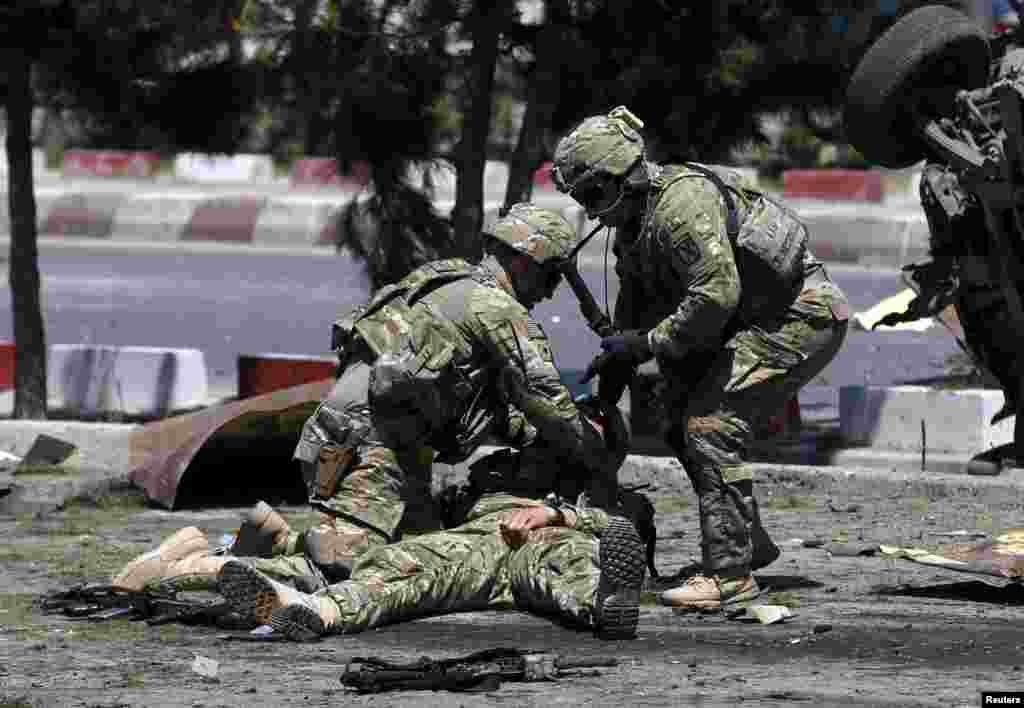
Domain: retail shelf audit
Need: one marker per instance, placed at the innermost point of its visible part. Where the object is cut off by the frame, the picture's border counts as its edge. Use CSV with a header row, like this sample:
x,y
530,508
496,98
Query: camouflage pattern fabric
x,y
542,234
471,568
679,279
496,377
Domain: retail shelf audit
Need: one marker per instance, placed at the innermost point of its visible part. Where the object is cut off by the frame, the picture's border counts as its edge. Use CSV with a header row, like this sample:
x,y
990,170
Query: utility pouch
x,y
333,463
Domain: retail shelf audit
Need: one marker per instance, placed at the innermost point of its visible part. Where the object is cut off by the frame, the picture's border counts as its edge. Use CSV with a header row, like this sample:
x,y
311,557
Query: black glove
x,y
632,346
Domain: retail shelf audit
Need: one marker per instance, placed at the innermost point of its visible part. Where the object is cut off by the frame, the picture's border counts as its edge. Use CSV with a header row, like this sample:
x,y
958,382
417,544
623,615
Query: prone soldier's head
x,y
595,162
546,240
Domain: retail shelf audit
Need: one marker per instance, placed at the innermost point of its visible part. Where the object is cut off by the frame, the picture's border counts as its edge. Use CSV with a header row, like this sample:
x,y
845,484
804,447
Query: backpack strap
x,y
732,220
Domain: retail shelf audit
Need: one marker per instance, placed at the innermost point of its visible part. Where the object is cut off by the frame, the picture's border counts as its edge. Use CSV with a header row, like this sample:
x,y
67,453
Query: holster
x,y
333,462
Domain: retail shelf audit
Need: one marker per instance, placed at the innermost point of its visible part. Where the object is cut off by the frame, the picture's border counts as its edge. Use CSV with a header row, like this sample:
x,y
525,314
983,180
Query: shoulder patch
x,y
688,251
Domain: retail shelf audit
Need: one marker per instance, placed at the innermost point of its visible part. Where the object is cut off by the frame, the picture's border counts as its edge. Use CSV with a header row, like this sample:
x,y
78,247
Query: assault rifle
x,y
104,602
599,321
480,671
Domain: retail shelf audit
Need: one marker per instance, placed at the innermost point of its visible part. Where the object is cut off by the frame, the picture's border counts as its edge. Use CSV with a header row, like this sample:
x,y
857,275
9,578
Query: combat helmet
x,y
601,147
542,234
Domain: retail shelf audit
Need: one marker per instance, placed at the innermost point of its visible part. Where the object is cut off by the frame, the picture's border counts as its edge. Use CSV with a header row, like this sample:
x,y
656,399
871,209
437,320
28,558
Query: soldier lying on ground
x,y
519,544
431,367
717,284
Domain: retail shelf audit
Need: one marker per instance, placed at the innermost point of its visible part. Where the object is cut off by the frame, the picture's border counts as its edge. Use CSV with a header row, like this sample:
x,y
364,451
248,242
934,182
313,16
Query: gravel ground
x,y
867,630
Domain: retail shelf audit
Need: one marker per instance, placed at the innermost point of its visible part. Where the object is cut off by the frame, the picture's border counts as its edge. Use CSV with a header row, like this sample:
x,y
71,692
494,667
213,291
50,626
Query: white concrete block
x,y
154,216
285,221
955,421
95,379
213,169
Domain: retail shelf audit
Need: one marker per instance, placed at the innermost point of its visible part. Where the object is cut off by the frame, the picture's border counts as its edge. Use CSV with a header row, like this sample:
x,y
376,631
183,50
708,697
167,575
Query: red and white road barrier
x,y
110,163
263,373
323,172
6,366
833,184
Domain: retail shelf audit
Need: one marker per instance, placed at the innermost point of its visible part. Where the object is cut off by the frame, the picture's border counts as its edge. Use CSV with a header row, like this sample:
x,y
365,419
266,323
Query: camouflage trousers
x,y
710,424
382,489
471,568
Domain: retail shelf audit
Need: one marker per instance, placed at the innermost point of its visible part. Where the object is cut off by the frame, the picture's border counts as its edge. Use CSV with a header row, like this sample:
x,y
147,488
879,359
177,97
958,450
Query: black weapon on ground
x,y
104,602
480,671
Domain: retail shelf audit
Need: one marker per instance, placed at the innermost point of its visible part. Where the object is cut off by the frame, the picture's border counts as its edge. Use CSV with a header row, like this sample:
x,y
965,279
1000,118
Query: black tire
x,y
933,43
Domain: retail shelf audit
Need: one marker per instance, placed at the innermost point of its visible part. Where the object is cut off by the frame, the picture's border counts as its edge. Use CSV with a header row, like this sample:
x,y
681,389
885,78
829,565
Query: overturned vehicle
x,y
935,87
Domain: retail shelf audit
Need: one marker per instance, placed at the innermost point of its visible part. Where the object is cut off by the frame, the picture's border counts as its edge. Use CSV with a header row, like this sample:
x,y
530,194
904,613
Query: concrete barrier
x,y
6,366
263,373
95,380
219,169
155,217
856,185
891,418
82,215
110,163
323,172
302,220
230,218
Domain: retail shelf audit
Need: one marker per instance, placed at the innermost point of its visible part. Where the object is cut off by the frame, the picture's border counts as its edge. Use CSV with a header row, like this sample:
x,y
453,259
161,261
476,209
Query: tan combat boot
x,y
262,530
711,592
182,544
297,615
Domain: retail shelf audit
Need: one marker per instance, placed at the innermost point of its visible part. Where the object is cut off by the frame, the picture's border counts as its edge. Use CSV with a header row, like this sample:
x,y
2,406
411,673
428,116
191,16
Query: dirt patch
x,y
867,631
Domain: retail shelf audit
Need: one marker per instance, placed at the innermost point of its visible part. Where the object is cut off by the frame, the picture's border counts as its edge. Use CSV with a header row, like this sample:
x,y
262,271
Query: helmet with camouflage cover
x,y
600,147
542,234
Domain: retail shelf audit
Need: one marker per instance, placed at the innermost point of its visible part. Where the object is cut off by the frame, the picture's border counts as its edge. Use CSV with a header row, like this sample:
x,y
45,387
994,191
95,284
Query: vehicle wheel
x,y
933,45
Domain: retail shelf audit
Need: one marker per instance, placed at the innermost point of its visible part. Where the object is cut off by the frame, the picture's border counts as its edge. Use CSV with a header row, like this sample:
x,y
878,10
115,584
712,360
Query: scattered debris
x,y
850,550
770,614
1002,556
206,667
47,450
962,533
814,543
848,509
793,543
822,628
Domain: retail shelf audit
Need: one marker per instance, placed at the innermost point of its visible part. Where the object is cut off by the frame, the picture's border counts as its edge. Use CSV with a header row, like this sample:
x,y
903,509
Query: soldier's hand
x,y
597,366
515,526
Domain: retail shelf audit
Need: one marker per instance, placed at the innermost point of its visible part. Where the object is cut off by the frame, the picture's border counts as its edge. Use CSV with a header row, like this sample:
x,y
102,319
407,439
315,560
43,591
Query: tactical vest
x,y
413,353
769,242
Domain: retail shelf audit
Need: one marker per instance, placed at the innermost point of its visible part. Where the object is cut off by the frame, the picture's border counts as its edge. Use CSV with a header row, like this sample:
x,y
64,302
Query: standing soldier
x,y
716,284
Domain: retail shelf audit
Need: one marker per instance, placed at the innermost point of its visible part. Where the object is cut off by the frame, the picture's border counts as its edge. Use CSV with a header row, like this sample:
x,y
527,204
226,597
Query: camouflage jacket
x,y
488,361
680,272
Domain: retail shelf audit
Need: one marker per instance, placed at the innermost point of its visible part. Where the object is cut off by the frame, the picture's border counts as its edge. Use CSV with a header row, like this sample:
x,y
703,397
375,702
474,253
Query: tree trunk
x,y
29,334
541,97
471,152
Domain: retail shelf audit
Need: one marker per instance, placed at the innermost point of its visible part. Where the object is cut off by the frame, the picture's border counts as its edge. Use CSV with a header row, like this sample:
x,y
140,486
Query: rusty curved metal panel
x,y
160,452
1002,556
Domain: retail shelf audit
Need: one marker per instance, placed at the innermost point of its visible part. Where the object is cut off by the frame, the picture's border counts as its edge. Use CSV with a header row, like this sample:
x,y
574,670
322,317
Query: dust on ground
x,y
867,631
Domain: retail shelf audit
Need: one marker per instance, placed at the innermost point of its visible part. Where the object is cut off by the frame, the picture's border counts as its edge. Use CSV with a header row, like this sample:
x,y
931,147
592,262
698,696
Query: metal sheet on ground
x,y
160,452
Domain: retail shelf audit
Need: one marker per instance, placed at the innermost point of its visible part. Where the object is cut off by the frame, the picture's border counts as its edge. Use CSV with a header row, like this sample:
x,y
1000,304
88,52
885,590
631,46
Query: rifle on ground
x,y
105,602
481,671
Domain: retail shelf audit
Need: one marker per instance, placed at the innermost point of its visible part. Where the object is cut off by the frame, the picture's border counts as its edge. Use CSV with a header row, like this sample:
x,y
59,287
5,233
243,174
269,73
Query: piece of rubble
x,y
206,667
770,614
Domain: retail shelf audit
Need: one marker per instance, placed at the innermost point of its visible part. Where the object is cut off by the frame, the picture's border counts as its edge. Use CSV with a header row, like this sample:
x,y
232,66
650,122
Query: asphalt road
x,y
230,300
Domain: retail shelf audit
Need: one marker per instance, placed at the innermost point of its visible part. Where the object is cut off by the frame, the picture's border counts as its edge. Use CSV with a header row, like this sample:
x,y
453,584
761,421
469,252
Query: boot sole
x,y
247,592
298,623
623,564
764,556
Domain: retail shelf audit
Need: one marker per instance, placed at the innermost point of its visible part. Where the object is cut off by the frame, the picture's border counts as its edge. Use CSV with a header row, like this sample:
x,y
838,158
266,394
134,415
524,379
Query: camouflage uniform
x,y
732,349
434,365
679,279
471,567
